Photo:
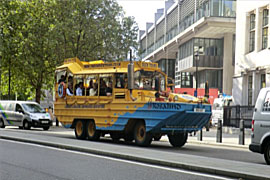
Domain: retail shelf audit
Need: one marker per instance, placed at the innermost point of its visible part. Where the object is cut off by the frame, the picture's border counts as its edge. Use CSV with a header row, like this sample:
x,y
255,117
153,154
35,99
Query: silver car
x,y
260,137
23,114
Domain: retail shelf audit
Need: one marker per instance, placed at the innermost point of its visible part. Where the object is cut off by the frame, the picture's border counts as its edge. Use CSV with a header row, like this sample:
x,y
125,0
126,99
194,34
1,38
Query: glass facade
x,y
223,8
252,33
207,8
170,71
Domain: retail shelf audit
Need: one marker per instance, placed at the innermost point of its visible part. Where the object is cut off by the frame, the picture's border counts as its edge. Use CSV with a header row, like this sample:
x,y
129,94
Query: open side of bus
x,y
95,99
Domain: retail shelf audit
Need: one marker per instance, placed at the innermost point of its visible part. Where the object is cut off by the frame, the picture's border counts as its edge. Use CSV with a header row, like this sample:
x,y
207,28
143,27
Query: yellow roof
x,y
97,67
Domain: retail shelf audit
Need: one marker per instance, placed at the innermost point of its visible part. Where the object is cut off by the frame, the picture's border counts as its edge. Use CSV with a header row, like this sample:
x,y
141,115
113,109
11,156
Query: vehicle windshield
x,y
33,108
149,80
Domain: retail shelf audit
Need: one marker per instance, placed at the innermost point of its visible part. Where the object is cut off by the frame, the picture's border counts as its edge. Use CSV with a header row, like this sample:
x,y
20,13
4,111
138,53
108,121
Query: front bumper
x,y
255,148
41,123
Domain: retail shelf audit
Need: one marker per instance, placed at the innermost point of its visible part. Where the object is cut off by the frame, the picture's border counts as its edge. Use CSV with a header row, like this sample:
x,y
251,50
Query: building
x,y
252,63
186,26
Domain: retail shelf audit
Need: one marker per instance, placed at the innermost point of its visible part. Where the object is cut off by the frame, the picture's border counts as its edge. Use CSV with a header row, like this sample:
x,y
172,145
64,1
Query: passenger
x,y
103,87
70,89
109,89
93,90
62,79
79,90
119,83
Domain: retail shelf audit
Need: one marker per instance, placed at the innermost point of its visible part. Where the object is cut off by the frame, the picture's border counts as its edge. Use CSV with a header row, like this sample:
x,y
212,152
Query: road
x,y
28,161
190,149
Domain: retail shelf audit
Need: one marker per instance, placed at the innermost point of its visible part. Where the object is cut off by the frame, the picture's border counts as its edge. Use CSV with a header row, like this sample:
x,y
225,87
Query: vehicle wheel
x,y
80,129
178,140
26,125
2,125
46,128
115,136
91,131
157,137
142,138
267,153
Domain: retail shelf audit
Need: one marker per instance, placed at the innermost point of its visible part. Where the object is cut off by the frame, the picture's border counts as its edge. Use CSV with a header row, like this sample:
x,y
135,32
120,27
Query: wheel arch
x,y
265,142
129,127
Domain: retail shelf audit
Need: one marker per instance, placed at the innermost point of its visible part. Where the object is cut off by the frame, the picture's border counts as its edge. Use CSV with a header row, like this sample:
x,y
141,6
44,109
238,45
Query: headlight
x,y
175,98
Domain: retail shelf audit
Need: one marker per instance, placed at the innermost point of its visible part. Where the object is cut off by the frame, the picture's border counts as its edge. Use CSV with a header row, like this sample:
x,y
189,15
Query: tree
x,y
37,35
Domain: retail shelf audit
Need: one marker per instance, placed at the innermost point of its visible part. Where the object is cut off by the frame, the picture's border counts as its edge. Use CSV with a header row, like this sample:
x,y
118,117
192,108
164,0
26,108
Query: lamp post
x,y
196,56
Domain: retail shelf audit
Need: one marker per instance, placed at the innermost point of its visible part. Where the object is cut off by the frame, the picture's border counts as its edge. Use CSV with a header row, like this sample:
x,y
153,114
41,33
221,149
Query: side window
x,y
70,85
91,83
10,107
18,108
3,106
61,76
105,84
79,85
121,80
266,103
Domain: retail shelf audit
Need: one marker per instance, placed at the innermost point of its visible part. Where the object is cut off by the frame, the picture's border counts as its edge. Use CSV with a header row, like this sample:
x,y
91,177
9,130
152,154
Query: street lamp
x,y
197,52
196,56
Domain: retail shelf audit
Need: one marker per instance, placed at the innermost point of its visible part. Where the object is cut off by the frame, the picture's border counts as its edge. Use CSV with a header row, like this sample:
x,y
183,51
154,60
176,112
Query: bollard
x,y
219,131
57,122
199,136
242,132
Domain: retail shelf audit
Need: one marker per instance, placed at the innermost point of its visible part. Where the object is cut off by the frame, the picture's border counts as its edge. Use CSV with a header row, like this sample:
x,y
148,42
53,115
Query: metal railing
x,y
233,114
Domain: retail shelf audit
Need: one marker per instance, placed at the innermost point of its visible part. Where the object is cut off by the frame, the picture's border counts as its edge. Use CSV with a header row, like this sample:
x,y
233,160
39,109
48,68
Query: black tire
x,y
142,138
2,125
267,153
26,125
157,137
92,133
178,140
46,128
80,129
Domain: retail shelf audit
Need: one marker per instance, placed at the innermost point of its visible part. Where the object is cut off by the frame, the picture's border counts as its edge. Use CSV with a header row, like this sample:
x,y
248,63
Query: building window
x,y
186,80
263,81
249,90
252,33
265,29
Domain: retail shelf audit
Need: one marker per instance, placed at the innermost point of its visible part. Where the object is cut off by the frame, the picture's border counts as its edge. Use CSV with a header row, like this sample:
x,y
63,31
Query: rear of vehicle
x,y
260,137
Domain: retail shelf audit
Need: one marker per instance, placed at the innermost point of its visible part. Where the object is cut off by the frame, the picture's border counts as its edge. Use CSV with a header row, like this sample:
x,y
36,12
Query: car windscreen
x,y
33,108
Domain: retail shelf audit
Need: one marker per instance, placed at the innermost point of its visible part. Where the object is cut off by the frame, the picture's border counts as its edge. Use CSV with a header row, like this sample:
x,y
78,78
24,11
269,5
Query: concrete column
x,y
237,90
228,68
267,79
258,30
255,86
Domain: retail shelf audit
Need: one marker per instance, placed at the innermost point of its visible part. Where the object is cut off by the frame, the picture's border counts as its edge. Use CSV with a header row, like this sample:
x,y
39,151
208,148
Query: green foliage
x,y
36,35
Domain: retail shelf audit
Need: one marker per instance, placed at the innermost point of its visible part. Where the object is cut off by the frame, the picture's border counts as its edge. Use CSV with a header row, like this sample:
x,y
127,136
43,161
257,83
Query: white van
x,y
260,136
23,114
218,108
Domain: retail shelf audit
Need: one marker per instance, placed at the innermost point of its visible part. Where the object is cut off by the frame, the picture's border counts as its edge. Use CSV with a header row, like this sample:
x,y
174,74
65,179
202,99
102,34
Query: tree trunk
x,y
38,94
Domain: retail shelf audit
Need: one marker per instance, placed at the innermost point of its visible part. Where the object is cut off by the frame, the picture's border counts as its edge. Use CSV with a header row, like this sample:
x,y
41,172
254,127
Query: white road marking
x,y
124,161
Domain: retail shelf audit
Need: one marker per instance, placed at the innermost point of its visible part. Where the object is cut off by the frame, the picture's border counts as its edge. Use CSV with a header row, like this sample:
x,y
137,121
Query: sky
x,y
143,10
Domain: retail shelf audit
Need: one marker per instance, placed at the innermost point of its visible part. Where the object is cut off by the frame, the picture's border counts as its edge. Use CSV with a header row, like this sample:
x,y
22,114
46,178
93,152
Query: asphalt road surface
x,y
24,161
221,152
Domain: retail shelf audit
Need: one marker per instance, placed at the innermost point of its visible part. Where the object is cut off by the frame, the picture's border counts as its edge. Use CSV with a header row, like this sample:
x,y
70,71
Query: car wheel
x,y
178,140
46,128
2,125
92,133
267,153
142,138
80,129
26,125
